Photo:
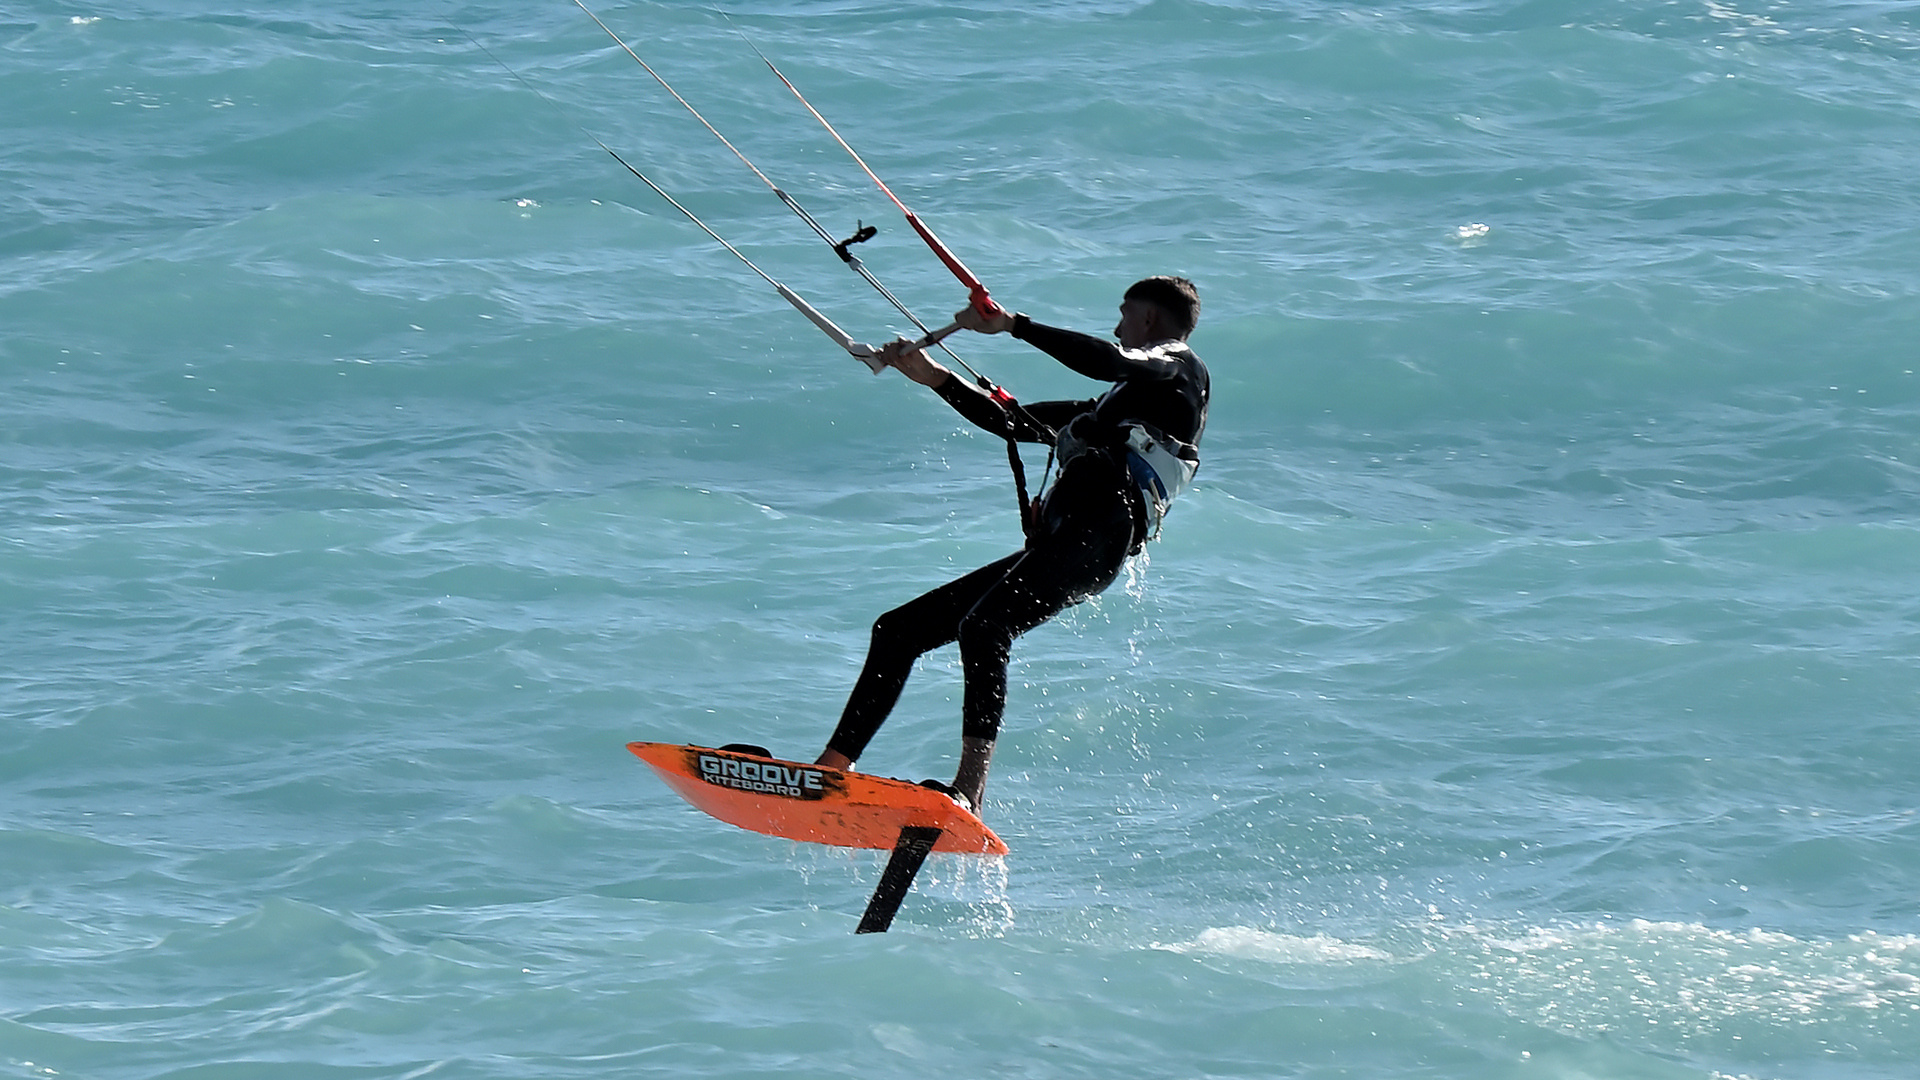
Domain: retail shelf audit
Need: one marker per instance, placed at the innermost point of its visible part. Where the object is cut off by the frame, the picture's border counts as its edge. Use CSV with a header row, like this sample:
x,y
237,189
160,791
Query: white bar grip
x,y
858,350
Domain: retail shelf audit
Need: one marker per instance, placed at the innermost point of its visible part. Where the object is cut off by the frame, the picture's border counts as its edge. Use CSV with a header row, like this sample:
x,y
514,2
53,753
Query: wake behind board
x,y
812,803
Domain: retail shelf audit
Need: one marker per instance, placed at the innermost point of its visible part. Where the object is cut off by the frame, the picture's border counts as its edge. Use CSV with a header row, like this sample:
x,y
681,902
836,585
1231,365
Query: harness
x,y
1159,466
1162,467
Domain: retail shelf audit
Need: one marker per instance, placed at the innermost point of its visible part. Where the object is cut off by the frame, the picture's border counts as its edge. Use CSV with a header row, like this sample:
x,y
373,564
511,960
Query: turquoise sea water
x,y
1526,690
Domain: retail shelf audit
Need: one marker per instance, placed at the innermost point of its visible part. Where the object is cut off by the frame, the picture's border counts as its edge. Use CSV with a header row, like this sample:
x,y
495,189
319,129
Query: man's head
x,y
1157,309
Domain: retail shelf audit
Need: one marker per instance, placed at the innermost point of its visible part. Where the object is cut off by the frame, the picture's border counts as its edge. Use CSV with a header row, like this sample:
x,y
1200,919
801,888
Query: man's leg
x,y
900,637
1041,582
970,779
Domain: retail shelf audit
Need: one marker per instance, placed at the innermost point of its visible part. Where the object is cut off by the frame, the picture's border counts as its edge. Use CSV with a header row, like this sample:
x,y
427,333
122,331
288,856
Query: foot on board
x,y
950,792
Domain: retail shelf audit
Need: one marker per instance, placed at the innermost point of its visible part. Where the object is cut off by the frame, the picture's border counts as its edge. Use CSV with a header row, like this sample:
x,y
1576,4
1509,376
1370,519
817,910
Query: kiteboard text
x,y
763,777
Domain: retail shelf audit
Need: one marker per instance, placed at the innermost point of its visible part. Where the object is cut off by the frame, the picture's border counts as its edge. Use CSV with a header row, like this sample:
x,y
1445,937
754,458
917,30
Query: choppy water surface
x,y
1525,690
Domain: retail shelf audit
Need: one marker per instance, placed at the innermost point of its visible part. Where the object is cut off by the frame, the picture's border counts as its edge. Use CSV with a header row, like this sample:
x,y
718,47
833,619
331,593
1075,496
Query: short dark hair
x,y
1174,295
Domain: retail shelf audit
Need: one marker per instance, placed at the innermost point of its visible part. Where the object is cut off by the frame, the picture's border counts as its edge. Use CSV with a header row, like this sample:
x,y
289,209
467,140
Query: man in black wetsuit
x,y
1121,458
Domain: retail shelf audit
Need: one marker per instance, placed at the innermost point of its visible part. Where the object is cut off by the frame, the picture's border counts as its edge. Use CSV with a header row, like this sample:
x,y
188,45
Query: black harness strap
x,y
1019,416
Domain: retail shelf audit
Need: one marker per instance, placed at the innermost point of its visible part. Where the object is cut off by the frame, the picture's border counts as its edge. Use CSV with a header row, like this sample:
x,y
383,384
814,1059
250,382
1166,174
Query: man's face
x,y
1139,324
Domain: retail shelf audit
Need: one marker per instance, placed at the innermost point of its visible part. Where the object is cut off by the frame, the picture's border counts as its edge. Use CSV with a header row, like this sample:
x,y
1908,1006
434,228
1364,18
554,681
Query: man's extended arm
x,y
974,403
987,413
1096,358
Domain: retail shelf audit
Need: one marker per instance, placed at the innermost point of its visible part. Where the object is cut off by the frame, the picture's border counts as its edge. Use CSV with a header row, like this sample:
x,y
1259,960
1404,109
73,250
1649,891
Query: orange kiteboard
x,y
813,803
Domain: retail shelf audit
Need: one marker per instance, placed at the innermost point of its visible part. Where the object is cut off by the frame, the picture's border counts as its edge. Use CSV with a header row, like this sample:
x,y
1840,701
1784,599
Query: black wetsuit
x,y
1092,518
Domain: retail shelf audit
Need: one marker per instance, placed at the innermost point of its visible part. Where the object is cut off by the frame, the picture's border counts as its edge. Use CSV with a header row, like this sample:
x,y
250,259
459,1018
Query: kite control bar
x,y
860,351
976,292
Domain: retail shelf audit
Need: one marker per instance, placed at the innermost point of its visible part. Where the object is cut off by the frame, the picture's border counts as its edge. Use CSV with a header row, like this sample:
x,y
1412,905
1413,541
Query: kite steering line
x,y
864,231
866,354
977,292
982,303
860,351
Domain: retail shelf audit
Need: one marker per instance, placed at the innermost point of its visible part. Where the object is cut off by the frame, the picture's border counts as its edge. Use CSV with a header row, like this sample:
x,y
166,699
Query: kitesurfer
x,y
1121,458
